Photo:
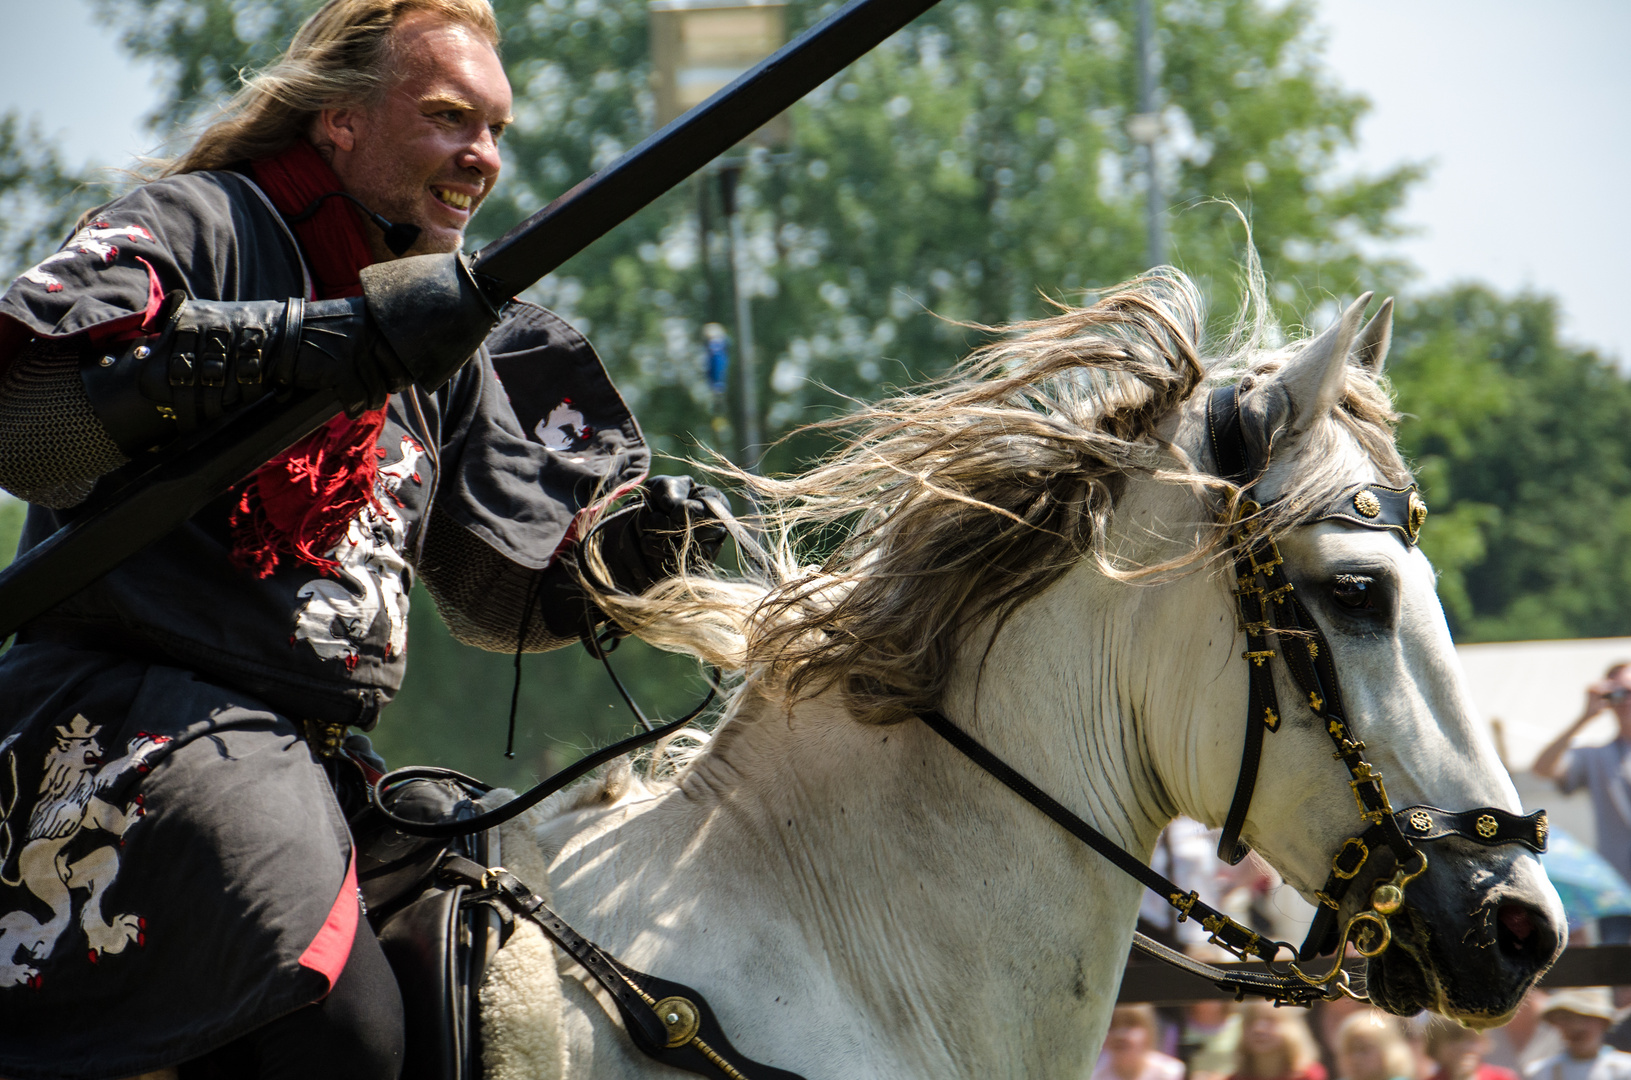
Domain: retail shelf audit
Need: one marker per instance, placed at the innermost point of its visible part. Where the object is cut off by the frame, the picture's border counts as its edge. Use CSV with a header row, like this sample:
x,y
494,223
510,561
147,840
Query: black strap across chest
x,y
669,1021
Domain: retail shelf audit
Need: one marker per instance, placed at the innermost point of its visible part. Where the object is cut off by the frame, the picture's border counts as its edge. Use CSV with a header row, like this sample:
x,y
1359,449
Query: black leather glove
x,y
641,544
417,322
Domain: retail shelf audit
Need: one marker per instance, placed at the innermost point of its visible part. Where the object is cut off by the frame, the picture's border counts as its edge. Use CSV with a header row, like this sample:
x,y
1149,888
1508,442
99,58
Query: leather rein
x,y
1270,614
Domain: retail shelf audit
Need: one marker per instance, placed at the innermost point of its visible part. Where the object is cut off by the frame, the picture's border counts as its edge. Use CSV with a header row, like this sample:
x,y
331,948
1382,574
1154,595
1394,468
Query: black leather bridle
x,y
1275,622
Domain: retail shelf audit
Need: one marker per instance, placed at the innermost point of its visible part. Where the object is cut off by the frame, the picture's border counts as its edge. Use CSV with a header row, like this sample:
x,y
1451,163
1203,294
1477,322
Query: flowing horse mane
x,y
950,505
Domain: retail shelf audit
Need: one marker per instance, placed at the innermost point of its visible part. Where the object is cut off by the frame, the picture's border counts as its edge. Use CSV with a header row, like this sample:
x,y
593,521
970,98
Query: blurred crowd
x,y
1575,1034
1568,1035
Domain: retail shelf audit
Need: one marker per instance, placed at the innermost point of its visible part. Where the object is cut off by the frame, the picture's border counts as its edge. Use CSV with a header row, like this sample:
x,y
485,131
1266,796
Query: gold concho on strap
x,y
1487,826
1366,502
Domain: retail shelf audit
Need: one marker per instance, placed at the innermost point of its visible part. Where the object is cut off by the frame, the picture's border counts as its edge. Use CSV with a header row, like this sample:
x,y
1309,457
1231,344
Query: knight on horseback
x,y
185,719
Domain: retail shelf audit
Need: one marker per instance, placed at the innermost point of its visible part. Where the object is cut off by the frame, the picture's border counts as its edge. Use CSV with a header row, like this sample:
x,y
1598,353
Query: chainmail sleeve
x,y
52,447
482,596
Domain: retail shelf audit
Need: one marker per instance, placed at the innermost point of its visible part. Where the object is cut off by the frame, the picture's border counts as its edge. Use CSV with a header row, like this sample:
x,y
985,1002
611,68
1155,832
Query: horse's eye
x,y
1352,592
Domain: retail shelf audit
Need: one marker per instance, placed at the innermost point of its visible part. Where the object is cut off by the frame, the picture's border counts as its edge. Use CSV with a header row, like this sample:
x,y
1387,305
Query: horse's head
x,y
1482,922
1034,547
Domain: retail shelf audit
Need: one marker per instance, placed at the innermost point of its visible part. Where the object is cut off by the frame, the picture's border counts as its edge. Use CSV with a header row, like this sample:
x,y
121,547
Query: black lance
x,y
154,494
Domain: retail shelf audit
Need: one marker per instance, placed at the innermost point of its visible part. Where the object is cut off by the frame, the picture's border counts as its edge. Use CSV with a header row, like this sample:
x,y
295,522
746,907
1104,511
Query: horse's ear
x,y
1370,348
1316,376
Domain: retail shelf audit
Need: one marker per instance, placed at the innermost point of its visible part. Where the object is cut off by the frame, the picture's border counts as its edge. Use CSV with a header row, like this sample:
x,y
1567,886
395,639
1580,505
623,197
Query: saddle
x,y
436,929
442,905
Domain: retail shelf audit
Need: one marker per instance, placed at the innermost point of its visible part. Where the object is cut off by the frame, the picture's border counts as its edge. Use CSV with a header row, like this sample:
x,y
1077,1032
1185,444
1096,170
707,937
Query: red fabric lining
x,y
332,238
329,950
300,503
143,323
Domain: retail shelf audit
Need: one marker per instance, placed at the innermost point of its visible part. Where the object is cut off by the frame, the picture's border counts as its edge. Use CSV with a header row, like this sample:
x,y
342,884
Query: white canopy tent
x,y
1529,691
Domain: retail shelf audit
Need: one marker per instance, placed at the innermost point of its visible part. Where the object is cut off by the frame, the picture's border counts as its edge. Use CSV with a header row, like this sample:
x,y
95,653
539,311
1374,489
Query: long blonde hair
x,y
340,56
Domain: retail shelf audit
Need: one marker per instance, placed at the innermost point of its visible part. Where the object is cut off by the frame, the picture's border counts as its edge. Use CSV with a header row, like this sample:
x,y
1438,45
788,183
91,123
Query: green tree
x,y
1524,450
40,196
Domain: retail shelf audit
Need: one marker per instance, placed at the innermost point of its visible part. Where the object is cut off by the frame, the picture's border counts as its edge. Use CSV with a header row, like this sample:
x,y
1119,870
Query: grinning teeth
x,y
454,198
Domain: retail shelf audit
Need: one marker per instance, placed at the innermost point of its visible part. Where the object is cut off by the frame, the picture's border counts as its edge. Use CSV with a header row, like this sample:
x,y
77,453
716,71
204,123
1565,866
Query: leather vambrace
x,y
418,320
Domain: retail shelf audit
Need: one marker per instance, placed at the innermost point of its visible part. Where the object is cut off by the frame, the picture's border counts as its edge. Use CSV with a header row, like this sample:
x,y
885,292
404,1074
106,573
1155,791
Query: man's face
x,y
425,153
1619,695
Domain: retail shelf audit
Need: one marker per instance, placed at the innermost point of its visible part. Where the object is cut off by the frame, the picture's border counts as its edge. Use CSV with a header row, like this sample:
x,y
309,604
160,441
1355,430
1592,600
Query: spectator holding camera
x,y
1606,772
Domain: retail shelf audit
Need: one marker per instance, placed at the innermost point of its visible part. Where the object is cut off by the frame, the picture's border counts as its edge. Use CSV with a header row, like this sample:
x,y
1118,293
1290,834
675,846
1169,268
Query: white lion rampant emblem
x,y
337,615
93,240
70,802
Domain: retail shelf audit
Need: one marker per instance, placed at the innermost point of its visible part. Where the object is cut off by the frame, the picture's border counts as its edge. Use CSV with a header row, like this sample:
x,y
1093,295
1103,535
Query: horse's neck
x,y
891,895
885,893
975,936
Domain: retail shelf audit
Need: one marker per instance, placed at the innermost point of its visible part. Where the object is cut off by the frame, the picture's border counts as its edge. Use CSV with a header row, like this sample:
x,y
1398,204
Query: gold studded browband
x,y
1376,507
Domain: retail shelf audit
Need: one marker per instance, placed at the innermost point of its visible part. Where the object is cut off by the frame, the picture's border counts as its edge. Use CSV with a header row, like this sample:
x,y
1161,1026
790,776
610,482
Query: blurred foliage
x,y
40,196
1523,446
454,706
972,168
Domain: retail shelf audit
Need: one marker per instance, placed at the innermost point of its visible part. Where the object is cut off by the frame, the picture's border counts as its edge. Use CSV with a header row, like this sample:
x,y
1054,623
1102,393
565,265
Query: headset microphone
x,y
398,238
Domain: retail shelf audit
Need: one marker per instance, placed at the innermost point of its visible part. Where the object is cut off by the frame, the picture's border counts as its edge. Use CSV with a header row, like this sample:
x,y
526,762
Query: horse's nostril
x,y
1516,921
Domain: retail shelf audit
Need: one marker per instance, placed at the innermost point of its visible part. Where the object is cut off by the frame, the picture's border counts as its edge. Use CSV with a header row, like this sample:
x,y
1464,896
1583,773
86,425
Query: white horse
x,y
1039,558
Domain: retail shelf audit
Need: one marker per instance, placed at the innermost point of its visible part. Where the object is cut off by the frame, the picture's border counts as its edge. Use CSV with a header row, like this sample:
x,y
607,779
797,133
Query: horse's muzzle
x,y
1478,929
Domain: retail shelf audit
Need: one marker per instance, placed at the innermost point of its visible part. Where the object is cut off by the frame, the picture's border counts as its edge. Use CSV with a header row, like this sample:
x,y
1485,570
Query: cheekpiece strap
x,y
1228,441
1372,506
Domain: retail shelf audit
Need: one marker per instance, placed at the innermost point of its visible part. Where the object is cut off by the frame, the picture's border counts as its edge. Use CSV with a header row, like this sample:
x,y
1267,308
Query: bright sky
x,y
1521,108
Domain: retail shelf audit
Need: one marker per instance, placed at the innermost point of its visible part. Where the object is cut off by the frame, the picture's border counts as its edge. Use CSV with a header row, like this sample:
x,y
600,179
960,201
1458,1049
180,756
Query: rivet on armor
x,y
1420,821
1487,826
106,361
1367,503
1386,899
143,352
